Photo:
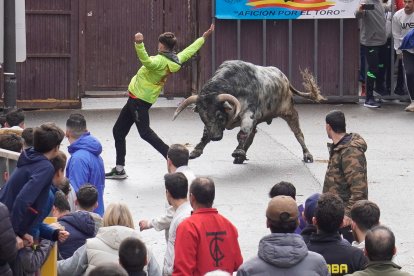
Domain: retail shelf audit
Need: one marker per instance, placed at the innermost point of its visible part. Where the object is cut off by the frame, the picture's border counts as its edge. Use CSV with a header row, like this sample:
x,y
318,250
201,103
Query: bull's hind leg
x,y
292,120
198,150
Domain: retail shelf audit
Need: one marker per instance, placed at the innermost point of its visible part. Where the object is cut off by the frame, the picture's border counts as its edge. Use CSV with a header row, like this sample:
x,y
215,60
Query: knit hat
x,y
282,209
310,207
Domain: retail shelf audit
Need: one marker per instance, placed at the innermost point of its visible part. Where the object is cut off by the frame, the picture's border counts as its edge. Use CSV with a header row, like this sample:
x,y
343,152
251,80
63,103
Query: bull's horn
x,y
184,104
232,100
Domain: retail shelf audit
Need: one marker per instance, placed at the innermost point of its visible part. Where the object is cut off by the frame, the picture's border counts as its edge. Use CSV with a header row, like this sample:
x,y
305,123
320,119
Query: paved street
x,y
241,190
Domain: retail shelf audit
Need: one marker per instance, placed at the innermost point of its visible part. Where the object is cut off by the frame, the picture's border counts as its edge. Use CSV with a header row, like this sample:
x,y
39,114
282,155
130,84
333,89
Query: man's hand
x,y
27,240
209,31
19,243
139,38
144,225
63,235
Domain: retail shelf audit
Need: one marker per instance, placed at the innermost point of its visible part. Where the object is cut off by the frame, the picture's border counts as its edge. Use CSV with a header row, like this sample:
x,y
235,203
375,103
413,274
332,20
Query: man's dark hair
x,y
65,186
11,142
178,154
176,184
203,191
282,227
61,203
108,269
336,119
15,117
27,136
87,196
59,162
76,124
283,188
168,39
380,244
329,212
365,214
132,255
47,137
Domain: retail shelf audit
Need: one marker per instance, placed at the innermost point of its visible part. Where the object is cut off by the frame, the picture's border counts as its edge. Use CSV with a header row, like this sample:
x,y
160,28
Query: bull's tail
x,y
312,89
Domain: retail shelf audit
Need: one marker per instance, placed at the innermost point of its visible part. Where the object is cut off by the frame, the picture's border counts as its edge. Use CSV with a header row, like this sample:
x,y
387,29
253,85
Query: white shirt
x,y
182,212
402,23
163,223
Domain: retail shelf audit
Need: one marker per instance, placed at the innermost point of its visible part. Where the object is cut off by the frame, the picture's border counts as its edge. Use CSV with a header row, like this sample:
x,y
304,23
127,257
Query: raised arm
x,y
188,52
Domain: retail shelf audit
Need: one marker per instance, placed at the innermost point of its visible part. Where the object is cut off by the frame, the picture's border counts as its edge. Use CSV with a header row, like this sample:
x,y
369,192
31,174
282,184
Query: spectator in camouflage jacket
x,y
346,175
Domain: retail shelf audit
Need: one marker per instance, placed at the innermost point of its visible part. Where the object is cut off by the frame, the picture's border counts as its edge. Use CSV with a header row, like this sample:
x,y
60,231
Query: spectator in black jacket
x,y
341,257
8,246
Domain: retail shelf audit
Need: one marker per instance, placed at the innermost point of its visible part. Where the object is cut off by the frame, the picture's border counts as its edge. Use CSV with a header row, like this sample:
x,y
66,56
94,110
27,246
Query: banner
x,y
285,9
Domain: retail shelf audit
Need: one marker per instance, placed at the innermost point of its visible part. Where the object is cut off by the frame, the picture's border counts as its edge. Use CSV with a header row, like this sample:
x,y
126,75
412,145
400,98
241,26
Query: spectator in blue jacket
x,y
85,164
27,191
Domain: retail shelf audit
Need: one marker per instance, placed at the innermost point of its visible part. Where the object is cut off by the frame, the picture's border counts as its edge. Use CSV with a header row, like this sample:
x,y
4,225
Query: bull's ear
x,y
227,106
195,109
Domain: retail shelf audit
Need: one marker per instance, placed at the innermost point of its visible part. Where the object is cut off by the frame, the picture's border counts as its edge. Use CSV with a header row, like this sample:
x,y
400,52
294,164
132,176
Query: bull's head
x,y
216,111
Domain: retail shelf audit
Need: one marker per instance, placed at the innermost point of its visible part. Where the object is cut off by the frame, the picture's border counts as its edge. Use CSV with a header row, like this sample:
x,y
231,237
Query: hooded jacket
x,y
372,27
27,191
86,166
341,257
284,254
103,249
151,77
81,226
346,175
8,249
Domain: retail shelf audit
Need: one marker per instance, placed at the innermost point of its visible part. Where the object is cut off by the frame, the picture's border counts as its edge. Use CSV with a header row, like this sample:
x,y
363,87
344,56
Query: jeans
x,y
135,111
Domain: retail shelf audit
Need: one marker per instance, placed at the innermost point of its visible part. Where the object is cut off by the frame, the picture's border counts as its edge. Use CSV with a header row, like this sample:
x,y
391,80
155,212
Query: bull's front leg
x,y
245,138
198,150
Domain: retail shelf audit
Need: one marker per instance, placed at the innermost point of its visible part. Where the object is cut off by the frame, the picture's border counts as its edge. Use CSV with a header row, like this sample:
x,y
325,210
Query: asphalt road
x,y
241,190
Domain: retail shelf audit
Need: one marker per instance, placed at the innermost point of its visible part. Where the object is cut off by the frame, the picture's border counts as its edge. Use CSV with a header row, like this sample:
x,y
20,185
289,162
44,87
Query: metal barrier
x,y
8,162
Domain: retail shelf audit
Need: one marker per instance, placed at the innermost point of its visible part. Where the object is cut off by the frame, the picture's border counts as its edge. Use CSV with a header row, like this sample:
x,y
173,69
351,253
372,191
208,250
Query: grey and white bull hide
x,y
243,94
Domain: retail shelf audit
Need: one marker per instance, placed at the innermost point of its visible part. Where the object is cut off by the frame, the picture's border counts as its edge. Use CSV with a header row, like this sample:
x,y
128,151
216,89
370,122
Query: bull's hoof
x,y
239,153
239,160
307,158
195,153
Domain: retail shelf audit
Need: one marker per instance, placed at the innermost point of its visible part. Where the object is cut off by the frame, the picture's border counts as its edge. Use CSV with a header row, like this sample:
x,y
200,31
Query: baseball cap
x,y
282,209
310,207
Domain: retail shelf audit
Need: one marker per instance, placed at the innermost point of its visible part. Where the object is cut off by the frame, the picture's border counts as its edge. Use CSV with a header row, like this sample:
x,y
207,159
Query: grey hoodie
x,y
372,24
284,254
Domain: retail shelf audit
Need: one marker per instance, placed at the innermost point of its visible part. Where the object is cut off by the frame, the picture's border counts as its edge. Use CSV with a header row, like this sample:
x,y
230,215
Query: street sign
x,y
20,31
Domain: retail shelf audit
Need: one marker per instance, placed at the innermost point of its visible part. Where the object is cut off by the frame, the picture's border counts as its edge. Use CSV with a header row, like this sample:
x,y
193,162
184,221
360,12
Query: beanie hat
x,y
310,207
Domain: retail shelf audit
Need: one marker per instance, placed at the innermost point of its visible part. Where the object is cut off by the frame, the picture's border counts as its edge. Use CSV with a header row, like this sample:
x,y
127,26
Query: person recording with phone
x,y
373,38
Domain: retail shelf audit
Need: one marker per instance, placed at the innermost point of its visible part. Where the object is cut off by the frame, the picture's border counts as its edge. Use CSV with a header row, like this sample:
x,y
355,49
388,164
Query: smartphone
x,y
368,7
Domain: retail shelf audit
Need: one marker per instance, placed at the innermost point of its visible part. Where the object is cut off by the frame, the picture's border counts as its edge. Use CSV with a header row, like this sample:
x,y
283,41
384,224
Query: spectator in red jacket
x,y
206,241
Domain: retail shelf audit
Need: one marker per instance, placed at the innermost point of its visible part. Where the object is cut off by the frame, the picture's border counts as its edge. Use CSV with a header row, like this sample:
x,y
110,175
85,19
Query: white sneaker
x,y
410,108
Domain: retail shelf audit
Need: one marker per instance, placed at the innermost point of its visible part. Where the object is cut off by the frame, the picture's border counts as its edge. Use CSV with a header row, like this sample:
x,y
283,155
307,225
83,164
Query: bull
x,y
243,94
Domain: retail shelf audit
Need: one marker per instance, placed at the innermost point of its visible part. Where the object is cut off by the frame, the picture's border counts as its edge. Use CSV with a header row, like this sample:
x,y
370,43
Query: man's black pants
x,y
135,111
408,61
375,70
